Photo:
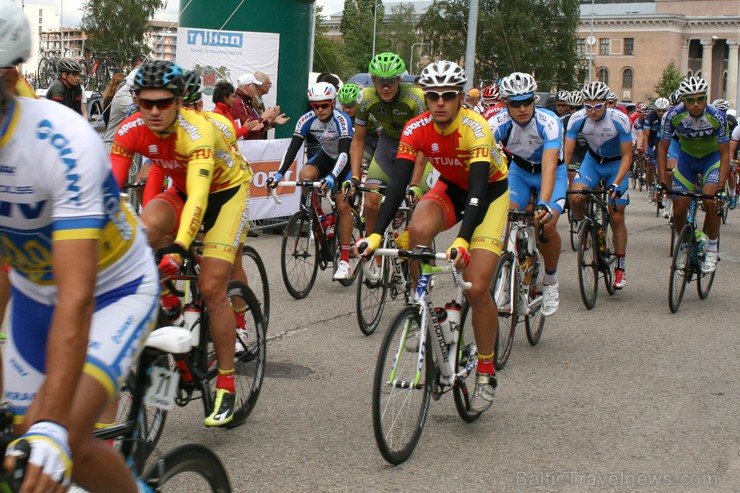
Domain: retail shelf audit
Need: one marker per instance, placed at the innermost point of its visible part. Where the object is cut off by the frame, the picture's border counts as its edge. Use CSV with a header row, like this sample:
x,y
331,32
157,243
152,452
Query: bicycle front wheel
x,y
588,264
573,226
257,280
467,355
505,292
371,298
402,387
299,252
677,284
189,467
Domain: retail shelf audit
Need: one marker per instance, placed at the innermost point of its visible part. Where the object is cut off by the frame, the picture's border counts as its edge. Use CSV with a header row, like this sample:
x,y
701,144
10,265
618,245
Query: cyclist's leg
x,y
161,217
587,176
551,249
616,218
311,172
684,179
710,185
379,173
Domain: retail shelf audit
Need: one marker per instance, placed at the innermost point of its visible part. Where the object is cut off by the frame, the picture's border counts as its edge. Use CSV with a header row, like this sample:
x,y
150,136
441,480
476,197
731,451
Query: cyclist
x,y
66,89
83,278
611,102
333,129
533,138
705,151
575,103
392,104
651,126
348,96
724,106
492,99
561,104
609,155
209,189
472,180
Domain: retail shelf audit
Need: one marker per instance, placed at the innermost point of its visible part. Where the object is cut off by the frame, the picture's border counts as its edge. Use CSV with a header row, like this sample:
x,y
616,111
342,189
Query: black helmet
x,y
192,84
69,66
160,74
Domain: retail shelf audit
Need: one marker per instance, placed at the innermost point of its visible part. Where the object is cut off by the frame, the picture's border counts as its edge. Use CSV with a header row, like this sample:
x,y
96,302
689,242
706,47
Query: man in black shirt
x,y
66,89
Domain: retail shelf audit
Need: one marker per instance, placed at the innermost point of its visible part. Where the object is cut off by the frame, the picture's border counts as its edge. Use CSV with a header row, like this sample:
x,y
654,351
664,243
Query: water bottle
x,y
453,310
192,322
327,224
701,242
601,233
444,323
402,241
526,264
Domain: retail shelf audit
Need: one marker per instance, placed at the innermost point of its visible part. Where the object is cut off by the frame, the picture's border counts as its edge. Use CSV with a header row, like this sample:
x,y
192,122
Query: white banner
x,y
265,157
225,55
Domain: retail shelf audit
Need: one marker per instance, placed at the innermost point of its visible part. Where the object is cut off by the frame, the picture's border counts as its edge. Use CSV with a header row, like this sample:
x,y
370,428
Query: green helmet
x,y
386,65
348,93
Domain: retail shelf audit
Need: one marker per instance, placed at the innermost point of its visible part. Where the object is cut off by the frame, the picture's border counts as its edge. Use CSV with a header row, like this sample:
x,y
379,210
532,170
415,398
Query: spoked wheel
x,y
466,357
573,226
673,235
505,292
189,467
588,264
257,280
354,262
299,252
677,284
534,322
371,298
402,387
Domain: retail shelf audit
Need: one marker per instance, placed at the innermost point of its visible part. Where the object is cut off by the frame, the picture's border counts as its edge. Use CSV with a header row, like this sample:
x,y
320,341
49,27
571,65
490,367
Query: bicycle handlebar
x,y
421,253
304,183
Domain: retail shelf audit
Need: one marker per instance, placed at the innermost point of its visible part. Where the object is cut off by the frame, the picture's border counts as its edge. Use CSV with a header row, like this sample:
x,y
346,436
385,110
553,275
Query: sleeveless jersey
x,y
603,137
543,131
326,133
392,116
700,136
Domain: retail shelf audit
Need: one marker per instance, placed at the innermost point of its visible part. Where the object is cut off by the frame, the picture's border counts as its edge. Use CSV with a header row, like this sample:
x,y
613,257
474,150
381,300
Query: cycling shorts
x,y
687,167
522,182
224,222
489,234
371,143
325,164
120,323
590,173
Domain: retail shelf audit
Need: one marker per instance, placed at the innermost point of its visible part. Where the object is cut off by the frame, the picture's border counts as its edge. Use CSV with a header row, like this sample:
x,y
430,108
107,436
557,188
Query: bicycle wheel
x,y
191,467
677,284
258,282
588,264
467,355
534,322
299,252
353,261
505,292
673,236
401,389
371,298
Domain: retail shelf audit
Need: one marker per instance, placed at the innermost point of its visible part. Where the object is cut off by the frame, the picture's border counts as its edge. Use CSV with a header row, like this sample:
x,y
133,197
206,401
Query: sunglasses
x,y
161,104
349,106
385,82
698,99
562,105
446,96
320,106
519,104
593,107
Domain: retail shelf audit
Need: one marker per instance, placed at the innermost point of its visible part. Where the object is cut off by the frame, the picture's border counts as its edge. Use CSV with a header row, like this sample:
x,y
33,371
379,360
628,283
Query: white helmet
x,y
575,98
562,96
611,96
693,85
322,91
443,74
595,91
661,104
721,104
15,36
518,86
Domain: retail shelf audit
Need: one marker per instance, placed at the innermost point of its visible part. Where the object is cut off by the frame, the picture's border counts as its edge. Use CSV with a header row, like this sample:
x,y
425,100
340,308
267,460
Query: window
x,y
629,46
627,76
604,45
581,46
603,75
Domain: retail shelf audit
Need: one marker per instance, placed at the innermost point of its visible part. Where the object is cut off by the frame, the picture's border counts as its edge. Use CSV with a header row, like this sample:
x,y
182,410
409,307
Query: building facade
x,y
161,36
41,19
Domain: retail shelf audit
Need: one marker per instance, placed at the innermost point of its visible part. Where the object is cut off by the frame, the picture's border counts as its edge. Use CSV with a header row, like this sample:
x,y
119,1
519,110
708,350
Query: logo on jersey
x,y
45,131
404,148
398,112
479,152
445,161
421,122
202,153
123,129
7,170
192,131
26,211
153,149
435,147
476,127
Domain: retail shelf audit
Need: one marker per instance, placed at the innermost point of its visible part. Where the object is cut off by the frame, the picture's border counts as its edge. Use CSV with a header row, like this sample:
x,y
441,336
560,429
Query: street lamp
x,y
411,60
375,24
591,41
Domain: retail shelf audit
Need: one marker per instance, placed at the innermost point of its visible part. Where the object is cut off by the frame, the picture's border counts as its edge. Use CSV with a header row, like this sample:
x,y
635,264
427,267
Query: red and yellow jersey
x,y
451,151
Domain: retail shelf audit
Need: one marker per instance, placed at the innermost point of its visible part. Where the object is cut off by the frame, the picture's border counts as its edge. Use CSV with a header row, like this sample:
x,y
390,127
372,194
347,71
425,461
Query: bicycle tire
x,y
467,353
257,280
371,298
704,281
505,277
396,435
573,227
192,460
588,265
299,256
673,236
353,262
534,322
677,281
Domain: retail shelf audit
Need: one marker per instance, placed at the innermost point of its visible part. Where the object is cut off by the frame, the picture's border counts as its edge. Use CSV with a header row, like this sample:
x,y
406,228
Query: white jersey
x,y
55,185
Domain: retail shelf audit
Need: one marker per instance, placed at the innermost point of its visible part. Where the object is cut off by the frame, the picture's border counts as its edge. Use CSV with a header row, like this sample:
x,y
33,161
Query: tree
x,y
357,30
399,34
669,81
328,55
118,26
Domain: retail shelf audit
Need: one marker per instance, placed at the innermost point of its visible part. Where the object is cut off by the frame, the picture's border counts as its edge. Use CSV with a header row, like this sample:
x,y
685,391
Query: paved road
x,y
625,397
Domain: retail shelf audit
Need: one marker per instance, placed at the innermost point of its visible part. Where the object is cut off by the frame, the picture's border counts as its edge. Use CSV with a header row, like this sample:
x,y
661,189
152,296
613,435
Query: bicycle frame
x,y
517,225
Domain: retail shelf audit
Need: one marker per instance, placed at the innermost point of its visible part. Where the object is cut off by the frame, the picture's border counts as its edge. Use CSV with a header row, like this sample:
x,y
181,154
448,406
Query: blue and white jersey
x,y
56,184
543,131
604,137
327,133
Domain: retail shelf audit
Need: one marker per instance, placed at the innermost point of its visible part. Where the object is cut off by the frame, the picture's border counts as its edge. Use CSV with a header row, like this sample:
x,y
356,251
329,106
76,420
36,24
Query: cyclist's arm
x,y
345,143
733,148
549,170
568,148
477,185
395,192
662,155
290,153
357,150
626,163
645,138
198,183
120,160
724,162
419,168
154,183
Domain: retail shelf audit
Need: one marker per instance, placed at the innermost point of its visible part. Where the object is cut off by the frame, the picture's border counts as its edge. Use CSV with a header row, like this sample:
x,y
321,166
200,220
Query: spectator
x,y
472,100
110,91
330,78
66,88
223,98
137,60
242,110
259,105
119,105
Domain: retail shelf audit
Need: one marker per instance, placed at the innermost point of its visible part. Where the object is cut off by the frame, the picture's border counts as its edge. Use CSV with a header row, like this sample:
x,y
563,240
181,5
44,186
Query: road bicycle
x,y
189,467
307,247
98,70
407,374
686,264
516,286
596,256
198,368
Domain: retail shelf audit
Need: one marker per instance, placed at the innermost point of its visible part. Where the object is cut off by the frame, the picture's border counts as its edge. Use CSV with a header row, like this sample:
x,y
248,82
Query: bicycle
x,y
407,375
149,380
596,256
693,238
98,70
306,246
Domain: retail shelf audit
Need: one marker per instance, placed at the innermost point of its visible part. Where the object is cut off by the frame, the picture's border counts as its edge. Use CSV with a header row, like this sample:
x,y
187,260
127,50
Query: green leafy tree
x,y
118,26
400,33
669,81
329,56
357,31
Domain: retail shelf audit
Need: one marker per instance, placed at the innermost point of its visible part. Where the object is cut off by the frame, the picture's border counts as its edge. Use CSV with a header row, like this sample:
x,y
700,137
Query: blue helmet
x,y
160,74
